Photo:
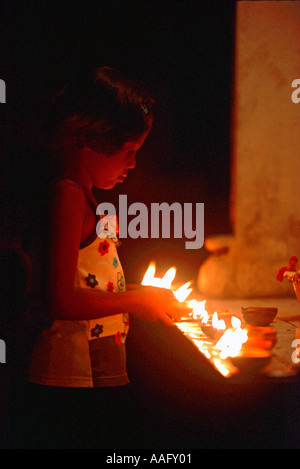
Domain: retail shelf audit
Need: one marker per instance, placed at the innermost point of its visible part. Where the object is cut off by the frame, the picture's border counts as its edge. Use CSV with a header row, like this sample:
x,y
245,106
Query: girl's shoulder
x,y
69,195
69,188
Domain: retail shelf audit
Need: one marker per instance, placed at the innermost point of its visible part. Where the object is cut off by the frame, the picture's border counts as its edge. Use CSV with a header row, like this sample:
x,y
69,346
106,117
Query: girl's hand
x,y
157,305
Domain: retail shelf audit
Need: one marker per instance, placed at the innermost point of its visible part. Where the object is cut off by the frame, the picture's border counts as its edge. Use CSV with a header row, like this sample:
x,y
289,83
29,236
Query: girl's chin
x,y
110,185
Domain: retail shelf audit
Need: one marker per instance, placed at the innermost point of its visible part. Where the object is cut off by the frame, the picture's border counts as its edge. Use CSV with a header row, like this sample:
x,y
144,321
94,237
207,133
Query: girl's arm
x,y
69,302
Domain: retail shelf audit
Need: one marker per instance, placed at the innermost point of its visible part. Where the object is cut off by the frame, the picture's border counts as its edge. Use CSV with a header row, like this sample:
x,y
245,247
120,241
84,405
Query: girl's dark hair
x,y
102,111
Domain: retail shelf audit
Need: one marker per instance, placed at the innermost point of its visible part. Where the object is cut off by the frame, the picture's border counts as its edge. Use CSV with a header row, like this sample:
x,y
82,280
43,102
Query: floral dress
x,y
86,353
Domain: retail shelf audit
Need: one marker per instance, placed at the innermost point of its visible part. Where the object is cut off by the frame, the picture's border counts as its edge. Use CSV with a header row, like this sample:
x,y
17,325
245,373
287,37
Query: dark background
x,y
183,51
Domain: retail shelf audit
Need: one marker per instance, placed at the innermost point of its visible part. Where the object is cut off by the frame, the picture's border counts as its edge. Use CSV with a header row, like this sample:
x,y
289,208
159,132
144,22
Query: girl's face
x,y
105,172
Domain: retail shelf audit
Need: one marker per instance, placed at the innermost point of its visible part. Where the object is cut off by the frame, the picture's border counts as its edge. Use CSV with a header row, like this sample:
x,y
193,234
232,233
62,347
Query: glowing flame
x,y
199,311
192,303
165,282
218,323
235,322
149,279
149,274
232,340
168,278
183,292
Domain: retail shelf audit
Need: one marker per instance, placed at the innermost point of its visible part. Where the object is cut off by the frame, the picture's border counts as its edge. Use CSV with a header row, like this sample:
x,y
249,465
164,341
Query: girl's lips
x,y
122,177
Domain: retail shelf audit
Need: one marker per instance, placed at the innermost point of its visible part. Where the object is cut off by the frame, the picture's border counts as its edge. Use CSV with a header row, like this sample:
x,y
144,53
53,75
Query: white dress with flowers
x,y
86,353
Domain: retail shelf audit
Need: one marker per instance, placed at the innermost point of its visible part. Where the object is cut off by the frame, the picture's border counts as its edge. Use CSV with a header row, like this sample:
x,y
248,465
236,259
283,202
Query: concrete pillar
x,y
265,183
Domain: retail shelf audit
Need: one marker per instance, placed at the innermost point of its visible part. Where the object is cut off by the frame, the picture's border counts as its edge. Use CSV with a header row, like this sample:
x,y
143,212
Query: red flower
x,y
110,286
292,267
293,264
280,273
118,338
103,247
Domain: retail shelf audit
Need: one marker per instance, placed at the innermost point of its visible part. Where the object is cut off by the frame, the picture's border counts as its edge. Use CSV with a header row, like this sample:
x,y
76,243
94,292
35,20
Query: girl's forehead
x,y
132,145
135,144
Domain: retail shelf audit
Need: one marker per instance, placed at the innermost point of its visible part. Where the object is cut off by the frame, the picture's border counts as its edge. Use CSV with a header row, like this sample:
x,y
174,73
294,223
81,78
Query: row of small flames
x,y
232,338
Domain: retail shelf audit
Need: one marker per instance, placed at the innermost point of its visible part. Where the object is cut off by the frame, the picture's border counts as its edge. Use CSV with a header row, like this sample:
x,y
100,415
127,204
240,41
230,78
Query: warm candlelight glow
x,y
232,339
183,292
199,311
164,282
231,342
202,348
236,322
169,277
221,367
218,323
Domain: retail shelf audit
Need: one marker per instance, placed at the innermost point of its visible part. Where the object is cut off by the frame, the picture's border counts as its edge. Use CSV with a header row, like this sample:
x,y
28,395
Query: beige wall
x,y
265,191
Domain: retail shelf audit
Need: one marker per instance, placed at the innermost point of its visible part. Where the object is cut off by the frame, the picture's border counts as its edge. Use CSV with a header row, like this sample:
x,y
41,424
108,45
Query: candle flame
x,y
149,278
218,323
149,274
235,322
183,292
232,340
199,311
169,277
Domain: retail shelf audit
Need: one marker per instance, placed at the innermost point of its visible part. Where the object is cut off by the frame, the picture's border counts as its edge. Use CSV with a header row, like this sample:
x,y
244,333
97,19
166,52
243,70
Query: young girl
x,y
97,125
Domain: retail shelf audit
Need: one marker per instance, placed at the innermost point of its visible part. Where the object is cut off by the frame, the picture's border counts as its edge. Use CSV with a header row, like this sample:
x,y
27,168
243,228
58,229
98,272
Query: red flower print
x,y
118,338
91,280
103,247
110,286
